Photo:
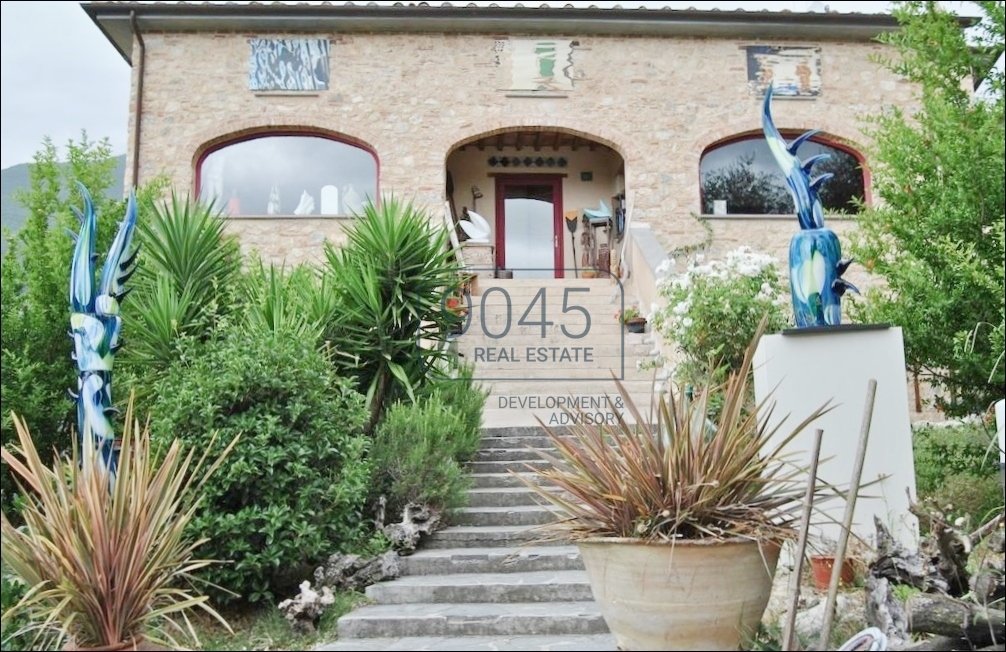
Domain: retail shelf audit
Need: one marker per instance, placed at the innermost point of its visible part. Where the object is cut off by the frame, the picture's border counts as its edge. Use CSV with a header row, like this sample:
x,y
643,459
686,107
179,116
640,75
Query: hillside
x,y
14,178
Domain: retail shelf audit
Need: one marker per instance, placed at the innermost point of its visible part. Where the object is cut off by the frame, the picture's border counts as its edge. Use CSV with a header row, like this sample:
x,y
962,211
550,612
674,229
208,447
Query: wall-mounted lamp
x,y
476,195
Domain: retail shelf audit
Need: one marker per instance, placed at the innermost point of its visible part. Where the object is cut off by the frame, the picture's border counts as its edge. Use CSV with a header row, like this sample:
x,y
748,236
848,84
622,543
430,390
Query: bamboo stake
x,y
850,507
801,545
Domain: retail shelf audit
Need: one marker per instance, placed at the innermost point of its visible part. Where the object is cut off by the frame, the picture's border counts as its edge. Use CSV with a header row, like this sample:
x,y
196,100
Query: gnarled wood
x,y
932,613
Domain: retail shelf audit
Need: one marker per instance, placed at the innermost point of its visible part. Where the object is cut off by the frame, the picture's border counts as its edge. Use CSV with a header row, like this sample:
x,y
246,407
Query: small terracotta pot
x,y
821,565
135,644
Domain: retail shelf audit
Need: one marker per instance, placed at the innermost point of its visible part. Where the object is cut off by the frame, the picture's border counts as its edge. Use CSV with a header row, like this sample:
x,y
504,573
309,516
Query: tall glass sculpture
x,y
95,323
815,254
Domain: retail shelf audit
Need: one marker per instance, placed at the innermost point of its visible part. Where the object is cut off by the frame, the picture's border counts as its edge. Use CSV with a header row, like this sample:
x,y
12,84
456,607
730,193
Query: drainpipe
x,y
138,107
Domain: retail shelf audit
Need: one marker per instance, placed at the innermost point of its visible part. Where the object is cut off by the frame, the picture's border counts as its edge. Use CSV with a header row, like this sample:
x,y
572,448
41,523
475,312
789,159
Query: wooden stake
x,y
850,507
801,545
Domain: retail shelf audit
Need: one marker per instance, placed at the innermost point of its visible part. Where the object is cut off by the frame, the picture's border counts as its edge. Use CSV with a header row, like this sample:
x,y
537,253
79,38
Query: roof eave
x,y
113,19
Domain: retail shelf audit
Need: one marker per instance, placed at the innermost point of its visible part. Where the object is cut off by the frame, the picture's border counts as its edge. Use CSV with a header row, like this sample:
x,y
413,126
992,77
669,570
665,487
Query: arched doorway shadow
x,y
533,186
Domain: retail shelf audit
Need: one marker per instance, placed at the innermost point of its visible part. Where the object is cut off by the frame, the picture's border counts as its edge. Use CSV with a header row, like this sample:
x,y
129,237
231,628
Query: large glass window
x,y
742,178
288,175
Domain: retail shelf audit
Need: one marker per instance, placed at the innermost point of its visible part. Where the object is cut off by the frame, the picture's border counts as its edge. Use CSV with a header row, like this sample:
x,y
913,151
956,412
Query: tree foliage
x,y
35,369
937,237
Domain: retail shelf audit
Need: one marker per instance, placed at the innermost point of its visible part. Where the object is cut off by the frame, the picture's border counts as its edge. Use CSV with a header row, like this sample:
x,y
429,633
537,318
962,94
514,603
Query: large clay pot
x,y
682,595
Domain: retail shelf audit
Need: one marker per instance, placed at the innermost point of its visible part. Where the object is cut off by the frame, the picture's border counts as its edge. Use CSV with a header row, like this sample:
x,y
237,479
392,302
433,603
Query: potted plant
x,y
822,561
679,523
106,559
632,319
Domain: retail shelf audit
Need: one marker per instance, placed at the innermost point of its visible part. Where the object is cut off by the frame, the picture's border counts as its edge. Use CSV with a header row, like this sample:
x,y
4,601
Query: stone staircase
x,y
532,369
486,582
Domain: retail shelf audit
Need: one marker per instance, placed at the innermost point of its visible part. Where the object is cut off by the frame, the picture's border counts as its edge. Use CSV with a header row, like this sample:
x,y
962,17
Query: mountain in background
x,y
15,178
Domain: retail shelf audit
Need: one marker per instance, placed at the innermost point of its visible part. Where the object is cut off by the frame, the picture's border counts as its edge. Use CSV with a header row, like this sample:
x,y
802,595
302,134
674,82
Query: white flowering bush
x,y
713,309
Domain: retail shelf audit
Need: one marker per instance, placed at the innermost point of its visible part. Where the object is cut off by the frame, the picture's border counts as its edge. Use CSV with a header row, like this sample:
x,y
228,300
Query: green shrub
x,y
465,397
293,489
415,455
942,451
713,310
35,366
975,497
11,592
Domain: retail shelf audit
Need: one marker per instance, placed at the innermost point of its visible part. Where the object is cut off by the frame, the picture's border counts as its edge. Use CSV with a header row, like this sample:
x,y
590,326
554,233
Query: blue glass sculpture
x,y
95,323
815,254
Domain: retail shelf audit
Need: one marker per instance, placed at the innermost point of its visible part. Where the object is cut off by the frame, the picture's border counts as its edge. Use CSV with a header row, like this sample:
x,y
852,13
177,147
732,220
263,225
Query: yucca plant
x,y
186,278
277,300
107,558
389,282
678,476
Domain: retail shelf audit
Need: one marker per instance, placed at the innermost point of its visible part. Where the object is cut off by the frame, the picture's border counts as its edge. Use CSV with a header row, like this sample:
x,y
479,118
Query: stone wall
x,y
658,102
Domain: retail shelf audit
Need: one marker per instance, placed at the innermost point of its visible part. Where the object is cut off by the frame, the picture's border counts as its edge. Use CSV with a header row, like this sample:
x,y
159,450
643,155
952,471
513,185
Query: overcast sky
x,y
60,74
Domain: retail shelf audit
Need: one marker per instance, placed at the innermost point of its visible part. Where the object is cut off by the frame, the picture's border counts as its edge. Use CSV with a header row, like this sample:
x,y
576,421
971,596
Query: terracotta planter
x,y
820,567
135,644
685,595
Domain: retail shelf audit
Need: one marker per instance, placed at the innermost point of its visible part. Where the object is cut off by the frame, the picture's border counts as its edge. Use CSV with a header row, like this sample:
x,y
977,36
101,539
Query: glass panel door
x,y
529,229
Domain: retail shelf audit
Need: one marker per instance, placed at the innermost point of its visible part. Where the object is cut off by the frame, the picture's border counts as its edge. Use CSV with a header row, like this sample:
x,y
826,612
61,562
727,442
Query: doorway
x,y
529,225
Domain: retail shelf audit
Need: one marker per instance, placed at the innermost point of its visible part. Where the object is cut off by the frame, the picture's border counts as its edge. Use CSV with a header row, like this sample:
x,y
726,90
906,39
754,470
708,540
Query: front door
x,y
529,225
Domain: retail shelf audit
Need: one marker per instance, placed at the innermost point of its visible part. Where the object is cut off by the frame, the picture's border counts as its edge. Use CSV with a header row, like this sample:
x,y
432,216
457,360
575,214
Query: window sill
x,y
774,218
288,217
311,93
549,94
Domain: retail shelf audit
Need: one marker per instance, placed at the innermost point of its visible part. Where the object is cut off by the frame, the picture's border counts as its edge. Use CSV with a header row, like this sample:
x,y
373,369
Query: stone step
x,y
540,442
502,466
578,373
516,417
532,586
587,643
588,393
499,454
477,619
491,560
504,497
490,536
512,515
491,480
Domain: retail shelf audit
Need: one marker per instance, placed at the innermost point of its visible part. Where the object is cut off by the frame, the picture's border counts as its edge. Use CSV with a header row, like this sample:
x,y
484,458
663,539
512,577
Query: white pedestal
x,y
804,369
1001,430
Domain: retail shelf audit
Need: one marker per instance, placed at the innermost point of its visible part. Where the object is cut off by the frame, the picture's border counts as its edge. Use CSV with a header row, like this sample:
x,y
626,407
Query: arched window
x,y
740,177
288,174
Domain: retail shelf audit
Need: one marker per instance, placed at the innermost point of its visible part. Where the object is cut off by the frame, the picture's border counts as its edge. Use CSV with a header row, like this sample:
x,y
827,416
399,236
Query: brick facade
x,y
411,98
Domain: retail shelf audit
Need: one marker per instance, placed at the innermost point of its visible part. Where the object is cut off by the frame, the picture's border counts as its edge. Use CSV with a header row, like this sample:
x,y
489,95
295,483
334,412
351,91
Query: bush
x,y
713,310
462,395
293,489
974,497
942,451
35,366
13,635
416,452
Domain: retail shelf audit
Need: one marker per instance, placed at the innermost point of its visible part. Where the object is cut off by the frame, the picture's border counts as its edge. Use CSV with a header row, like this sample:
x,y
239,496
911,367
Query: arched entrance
x,y
533,185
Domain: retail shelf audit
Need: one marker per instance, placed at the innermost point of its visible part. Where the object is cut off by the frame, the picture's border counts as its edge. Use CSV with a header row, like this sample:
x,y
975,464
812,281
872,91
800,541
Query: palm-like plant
x,y
107,558
187,273
389,284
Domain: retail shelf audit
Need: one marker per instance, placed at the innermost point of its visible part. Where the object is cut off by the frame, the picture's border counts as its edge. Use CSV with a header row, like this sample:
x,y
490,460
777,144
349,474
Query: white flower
x,y
687,322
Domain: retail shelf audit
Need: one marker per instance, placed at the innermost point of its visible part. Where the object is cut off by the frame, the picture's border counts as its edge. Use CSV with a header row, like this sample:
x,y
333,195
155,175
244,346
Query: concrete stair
x,y
491,581
529,368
